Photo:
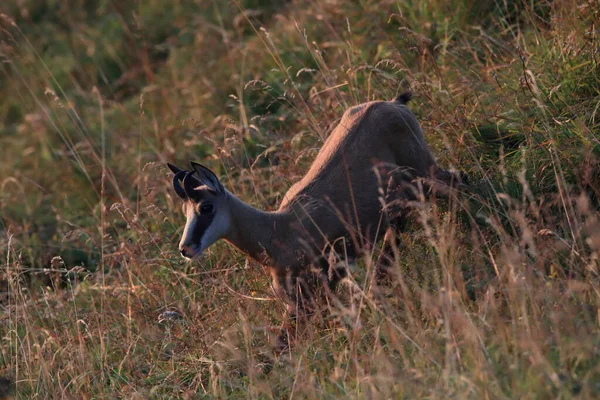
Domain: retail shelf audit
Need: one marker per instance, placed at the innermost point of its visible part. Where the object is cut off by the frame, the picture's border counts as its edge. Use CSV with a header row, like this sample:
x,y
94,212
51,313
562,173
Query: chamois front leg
x,y
302,293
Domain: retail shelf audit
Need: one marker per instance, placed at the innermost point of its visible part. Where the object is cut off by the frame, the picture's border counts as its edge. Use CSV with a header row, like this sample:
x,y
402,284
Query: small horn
x,y
177,186
175,169
190,183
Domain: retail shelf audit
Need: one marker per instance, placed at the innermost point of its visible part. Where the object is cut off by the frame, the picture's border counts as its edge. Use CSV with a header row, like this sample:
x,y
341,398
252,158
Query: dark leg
x,y
386,258
397,209
301,294
385,263
445,183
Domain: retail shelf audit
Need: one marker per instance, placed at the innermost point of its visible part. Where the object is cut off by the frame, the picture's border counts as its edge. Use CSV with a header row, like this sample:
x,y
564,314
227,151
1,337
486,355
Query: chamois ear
x,y
174,169
207,177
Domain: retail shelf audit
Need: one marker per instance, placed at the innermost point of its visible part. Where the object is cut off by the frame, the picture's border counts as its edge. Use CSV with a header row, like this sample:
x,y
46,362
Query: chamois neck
x,y
254,232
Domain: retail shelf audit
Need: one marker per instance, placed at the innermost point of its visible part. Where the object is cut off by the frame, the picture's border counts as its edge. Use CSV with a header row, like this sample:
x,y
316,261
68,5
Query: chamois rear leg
x,y
384,266
397,209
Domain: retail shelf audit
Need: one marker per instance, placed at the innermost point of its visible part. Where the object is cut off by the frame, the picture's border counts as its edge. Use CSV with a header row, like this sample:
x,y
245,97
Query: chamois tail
x,y
404,97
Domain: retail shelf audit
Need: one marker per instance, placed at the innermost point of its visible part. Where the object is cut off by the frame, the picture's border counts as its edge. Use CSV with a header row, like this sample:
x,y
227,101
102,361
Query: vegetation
x,y
498,293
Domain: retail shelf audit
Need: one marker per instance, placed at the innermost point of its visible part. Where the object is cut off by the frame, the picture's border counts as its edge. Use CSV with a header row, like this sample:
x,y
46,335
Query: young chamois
x,y
355,191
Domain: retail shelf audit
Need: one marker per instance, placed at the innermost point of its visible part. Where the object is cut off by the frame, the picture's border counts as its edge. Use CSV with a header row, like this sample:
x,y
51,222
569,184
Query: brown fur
x,y
341,195
368,160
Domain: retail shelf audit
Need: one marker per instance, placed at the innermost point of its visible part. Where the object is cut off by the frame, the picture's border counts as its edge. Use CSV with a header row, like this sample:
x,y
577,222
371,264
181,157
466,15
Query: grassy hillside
x,y
499,291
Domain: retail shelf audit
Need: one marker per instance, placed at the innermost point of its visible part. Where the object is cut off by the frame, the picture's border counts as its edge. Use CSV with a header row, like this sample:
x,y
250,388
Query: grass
x,y
498,294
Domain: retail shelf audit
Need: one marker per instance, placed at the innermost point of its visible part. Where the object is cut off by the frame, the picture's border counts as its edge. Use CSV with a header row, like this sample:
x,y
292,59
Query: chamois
x,y
356,191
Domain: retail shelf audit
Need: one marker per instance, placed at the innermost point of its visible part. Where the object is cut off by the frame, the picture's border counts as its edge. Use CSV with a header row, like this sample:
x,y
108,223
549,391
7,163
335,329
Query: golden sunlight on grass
x,y
495,294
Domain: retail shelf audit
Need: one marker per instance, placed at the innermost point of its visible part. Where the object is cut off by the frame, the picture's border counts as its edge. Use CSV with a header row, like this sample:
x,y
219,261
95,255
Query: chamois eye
x,y
206,209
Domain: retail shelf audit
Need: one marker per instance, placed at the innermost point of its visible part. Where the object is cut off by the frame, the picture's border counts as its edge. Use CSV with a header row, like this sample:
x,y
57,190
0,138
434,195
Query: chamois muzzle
x,y
188,252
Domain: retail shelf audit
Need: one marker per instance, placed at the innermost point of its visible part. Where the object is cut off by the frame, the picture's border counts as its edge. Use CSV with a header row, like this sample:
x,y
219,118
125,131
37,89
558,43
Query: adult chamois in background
x,y
355,191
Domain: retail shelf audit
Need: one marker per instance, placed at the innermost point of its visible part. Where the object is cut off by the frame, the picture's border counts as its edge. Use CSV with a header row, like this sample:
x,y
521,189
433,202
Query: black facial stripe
x,y
202,224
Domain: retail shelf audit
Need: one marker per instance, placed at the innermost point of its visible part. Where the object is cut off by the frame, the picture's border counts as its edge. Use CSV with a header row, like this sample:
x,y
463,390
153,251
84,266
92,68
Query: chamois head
x,y
205,208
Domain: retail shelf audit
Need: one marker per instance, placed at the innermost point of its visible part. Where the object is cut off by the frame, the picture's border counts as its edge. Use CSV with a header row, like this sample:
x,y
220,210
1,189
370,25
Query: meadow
x,y
498,289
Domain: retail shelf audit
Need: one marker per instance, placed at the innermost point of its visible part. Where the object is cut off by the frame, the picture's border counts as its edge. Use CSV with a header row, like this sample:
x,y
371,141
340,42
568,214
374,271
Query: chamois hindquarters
x,y
402,133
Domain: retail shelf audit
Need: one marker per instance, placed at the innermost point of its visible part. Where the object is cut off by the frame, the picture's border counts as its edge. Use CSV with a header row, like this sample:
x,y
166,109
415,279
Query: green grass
x,y
498,294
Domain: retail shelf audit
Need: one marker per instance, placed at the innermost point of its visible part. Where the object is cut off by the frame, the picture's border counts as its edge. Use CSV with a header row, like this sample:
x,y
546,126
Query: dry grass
x,y
498,293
